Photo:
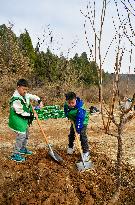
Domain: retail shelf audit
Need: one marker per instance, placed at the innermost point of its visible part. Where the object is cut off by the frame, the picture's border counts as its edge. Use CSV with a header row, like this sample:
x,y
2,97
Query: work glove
x,y
39,106
30,118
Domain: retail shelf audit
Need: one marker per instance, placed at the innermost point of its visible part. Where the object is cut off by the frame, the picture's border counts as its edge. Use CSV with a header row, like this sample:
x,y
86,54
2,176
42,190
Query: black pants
x,y
83,139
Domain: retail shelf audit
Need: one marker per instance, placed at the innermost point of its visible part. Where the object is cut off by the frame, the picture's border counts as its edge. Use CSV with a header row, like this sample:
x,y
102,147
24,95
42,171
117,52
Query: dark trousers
x,y
83,139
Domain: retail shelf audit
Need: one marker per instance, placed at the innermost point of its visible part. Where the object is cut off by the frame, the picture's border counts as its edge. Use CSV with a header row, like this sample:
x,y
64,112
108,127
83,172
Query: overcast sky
x,y
66,23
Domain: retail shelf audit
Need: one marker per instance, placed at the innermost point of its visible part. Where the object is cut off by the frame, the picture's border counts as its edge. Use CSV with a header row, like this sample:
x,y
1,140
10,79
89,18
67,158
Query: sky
x,y
64,21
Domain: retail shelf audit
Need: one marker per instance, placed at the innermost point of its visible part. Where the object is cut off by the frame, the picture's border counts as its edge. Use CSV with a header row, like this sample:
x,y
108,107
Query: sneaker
x,y
17,158
25,151
86,156
70,150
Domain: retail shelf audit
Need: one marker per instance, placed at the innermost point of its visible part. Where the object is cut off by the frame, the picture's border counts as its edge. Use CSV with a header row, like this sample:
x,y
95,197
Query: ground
x,y
41,180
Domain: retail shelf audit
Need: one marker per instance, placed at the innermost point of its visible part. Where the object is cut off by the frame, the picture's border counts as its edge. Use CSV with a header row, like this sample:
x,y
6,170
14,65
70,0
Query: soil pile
x,y
42,181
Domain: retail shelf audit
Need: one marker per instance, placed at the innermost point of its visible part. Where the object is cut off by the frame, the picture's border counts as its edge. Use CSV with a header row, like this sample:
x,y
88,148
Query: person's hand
x,y
31,115
41,104
35,115
30,118
71,121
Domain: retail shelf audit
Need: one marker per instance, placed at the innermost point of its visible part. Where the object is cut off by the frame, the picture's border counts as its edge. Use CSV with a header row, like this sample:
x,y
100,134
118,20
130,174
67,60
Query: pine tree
x,y
13,64
26,46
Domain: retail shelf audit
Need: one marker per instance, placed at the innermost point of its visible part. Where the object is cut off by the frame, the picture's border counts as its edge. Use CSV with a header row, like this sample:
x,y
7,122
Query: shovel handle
x,y
39,124
79,143
77,139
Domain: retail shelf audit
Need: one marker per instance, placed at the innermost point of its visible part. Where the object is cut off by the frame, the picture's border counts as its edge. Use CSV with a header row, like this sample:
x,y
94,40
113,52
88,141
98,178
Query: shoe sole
x,y
79,160
18,161
70,153
25,154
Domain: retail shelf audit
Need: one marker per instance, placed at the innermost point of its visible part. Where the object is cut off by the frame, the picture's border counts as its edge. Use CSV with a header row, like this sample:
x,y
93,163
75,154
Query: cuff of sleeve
x,y
39,101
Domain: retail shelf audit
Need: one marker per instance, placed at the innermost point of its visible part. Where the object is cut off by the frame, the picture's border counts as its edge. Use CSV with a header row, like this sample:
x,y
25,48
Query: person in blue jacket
x,y
75,111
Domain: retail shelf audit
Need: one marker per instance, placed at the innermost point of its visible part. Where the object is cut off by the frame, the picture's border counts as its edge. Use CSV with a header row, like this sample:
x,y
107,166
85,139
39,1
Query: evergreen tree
x,y
26,46
12,62
46,66
90,74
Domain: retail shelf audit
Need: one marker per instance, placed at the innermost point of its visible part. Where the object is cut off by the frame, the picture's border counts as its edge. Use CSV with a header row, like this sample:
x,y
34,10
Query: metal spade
x,y
82,165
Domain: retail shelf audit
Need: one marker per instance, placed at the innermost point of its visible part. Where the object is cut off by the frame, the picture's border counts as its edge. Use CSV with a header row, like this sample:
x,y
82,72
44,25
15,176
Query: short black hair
x,y
70,96
22,82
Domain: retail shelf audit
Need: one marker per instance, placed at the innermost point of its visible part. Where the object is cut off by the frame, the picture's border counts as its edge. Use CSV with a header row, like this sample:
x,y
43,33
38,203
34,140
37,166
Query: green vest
x,y
16,121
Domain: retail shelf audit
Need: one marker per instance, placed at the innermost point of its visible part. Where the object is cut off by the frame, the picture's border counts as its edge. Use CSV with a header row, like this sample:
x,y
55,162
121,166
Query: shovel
x,y
52,153
82,165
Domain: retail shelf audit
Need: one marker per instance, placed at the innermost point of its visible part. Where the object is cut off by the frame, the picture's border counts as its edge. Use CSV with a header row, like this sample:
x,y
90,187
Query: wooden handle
x,y
77,139
39,125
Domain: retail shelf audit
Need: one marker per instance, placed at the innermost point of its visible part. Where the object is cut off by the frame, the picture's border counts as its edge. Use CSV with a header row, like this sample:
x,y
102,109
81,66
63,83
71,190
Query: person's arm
x,y
66,110
35,98
79,119
18,107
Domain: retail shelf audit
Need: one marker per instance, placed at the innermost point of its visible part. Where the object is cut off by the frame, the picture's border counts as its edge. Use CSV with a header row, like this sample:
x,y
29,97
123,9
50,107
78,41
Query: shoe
x,y
17,158
70,150
25,151
86,156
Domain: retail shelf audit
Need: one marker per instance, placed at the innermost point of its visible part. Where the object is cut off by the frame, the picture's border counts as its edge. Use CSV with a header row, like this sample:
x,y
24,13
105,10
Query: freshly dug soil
x,y
42,181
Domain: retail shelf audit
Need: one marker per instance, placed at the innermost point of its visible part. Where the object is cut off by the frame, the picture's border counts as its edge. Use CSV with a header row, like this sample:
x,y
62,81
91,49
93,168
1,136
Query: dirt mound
x,y
42,181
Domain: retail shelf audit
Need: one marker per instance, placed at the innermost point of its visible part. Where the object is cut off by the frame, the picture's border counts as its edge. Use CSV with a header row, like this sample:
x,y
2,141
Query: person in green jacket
x,y
75,111
20,118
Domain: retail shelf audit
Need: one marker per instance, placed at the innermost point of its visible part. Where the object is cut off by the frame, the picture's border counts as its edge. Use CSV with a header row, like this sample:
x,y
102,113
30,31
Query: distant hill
x,y
126,76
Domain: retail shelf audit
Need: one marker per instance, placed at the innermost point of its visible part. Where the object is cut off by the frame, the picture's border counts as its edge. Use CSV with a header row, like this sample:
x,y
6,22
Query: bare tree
x,y
122,33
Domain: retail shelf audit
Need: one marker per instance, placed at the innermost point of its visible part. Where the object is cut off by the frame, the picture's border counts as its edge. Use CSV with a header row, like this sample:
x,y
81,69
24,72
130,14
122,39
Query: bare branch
x,y
117,30
91,54
86,16
127,8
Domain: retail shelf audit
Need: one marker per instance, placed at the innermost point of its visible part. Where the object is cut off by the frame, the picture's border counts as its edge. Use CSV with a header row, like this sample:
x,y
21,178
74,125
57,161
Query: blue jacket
x,y
78,114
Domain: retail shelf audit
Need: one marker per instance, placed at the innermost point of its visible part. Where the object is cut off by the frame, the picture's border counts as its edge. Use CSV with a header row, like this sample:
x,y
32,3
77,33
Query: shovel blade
x,y
84,166
55,156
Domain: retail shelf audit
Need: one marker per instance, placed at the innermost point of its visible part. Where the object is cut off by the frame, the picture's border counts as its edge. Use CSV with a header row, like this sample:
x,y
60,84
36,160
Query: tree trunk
x,y
99,93
115,197
119,157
